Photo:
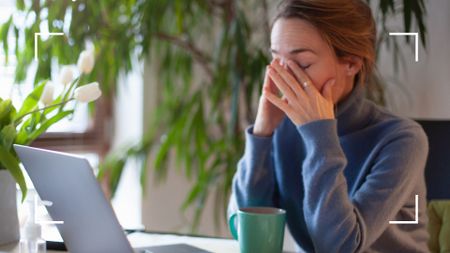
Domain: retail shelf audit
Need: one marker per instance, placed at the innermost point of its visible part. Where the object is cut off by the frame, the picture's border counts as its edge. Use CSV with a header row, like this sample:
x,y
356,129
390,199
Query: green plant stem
x,y
17,121
71,88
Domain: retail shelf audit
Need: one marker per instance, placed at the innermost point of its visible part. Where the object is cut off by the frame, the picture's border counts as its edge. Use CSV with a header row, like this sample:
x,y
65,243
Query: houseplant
x,y
38,111
200,119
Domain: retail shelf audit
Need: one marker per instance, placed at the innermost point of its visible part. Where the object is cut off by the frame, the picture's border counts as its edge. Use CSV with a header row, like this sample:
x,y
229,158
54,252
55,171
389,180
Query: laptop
x,y
89,222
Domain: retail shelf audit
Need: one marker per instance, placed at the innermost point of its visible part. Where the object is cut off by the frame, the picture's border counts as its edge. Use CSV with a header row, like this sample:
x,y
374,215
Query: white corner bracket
x,y
416,36
416,221
36,36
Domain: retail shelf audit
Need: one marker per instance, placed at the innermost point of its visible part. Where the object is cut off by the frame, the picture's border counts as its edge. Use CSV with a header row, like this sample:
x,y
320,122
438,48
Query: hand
x,y
302,102
269,116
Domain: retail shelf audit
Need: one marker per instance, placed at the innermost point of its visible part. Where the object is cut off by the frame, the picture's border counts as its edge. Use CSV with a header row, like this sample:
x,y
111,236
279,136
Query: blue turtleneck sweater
x,y
341,181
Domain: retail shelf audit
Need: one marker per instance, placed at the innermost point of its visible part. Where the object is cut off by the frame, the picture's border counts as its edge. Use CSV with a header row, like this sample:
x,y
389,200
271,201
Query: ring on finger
x,y
305,84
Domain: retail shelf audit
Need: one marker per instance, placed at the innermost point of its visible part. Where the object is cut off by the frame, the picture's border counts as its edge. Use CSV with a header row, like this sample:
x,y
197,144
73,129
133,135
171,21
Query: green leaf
x,y
46,124
163,151
407,11
5,112
68,93
22,137
26,129
31,101
143,174
116,174
11,163
4,31
193,194
392,5
20,5
8,134
419,11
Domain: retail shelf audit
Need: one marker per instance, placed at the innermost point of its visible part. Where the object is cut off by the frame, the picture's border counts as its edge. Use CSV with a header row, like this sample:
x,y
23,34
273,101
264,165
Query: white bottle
x,y
31,240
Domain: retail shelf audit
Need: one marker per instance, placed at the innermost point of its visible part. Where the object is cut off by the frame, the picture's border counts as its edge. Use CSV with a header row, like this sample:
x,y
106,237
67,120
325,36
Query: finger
x,y
302,77
281,84
294,85
298,72
281,103
327,91
266,78
268,83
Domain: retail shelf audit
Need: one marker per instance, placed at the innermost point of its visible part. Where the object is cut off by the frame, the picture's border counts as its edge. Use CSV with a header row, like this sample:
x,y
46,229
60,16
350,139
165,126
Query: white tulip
x,y
86,61
66,75
88,93
47,94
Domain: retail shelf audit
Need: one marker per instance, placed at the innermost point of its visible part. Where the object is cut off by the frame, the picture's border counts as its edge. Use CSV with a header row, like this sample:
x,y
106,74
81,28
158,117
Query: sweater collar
x,y
351,114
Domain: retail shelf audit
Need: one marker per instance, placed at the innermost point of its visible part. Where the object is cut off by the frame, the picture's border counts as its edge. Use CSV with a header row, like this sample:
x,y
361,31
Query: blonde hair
x,y
347,26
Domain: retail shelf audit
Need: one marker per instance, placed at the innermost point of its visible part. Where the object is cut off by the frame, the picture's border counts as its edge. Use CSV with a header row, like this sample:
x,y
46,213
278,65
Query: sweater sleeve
x,y
254,180
338,223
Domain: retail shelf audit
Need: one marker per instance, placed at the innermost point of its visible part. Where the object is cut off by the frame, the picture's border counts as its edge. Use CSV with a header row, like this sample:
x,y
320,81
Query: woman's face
x,y
298,40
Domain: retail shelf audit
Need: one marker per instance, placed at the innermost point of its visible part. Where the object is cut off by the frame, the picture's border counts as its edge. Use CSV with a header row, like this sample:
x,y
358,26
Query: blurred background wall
x,y
422,90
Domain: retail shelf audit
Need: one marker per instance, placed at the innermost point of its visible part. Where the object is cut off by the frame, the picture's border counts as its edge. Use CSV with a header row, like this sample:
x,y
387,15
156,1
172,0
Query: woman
x,y
340,166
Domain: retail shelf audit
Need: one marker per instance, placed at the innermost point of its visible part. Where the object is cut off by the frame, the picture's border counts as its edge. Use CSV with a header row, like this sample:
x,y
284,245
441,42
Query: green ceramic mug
x,y
258,229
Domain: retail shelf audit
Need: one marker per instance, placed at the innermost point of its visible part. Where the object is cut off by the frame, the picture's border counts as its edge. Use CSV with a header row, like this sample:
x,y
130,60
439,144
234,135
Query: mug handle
x,y
232,224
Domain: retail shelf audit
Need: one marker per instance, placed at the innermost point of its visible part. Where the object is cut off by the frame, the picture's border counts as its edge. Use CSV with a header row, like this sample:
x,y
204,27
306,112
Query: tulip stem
x,y
68,92
17,121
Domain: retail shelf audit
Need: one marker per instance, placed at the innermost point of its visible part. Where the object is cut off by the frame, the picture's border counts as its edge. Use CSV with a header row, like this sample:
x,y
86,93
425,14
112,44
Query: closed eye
x,y
305,66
